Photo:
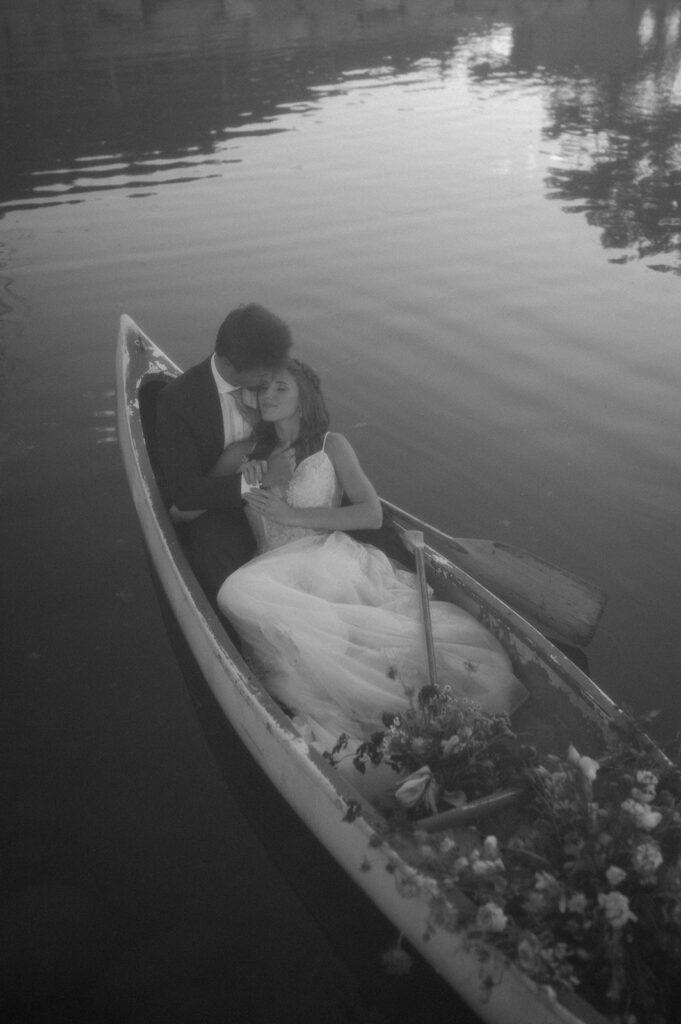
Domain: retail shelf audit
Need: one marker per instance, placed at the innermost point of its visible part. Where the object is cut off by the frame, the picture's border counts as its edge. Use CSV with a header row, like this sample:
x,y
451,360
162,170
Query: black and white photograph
x,y
340,511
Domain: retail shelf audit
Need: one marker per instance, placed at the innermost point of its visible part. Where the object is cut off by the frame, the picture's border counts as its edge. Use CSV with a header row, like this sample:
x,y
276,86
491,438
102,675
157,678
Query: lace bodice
x,y
314,484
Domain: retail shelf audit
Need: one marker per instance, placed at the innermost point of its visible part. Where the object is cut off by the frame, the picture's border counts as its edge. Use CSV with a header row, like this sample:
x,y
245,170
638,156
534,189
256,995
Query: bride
x,y
333,629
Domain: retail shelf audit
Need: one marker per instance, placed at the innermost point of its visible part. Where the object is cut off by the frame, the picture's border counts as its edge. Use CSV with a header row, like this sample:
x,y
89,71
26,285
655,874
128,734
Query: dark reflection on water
x,y
620,132
175,77
394,178
139,82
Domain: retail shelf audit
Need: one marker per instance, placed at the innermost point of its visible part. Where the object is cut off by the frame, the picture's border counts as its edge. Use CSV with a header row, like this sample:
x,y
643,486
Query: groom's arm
x,y
187,483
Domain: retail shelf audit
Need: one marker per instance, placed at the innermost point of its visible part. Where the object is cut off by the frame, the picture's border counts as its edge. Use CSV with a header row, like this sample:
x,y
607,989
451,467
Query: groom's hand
x,y
279,468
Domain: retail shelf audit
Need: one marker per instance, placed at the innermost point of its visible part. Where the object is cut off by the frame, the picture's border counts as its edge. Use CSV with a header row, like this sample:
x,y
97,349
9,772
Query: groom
x,y
199,414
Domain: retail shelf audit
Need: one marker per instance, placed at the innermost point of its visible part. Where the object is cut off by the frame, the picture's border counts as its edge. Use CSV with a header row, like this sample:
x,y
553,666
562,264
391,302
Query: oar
x,y
414,540
563,604
467,813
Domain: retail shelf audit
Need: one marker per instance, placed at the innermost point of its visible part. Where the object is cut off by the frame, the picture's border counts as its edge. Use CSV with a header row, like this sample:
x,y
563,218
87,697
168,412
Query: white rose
x,y
616,907
647,781
647,857
642,814
484,867
491,918
615,876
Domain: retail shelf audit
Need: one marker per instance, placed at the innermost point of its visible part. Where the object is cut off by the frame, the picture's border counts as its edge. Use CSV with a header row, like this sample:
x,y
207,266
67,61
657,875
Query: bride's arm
x,y
363,513
230,459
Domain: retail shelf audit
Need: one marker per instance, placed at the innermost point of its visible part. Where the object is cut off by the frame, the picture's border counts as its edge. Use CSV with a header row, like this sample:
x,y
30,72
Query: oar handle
x,y
472,811
414,540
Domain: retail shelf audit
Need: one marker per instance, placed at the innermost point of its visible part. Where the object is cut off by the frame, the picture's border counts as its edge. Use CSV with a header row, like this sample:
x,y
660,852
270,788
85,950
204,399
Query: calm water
x,y
470,213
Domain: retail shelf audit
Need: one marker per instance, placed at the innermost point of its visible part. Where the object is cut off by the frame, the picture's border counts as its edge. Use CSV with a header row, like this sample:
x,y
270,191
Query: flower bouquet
x,y
580,884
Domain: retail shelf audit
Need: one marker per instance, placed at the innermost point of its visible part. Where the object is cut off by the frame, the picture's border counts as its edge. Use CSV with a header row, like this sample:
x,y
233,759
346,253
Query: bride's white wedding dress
x,y
336,632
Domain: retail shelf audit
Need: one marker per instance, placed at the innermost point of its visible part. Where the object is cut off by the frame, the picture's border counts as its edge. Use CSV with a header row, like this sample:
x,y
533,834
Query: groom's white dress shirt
x,y
234,426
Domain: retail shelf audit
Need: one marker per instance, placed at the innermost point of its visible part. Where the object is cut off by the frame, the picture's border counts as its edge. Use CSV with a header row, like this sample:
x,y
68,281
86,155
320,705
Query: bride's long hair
x,y
314,418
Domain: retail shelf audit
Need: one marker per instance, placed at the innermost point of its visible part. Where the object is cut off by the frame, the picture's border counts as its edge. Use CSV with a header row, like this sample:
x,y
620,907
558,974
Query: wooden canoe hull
x,y
303,778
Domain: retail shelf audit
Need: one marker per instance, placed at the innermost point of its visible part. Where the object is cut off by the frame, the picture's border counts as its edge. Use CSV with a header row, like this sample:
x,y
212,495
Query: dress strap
x,y
324,441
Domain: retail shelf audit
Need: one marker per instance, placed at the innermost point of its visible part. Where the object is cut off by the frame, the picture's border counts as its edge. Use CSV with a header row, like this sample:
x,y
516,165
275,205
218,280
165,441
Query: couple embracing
x,y
271,499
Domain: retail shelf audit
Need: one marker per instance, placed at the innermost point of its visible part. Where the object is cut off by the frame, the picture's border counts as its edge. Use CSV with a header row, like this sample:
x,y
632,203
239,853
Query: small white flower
x,y
490,848
616,907
647,857
529,950
491,918
427,851
647,780
642,814
587,766
577,903
615,876
483,867
396,960
646,787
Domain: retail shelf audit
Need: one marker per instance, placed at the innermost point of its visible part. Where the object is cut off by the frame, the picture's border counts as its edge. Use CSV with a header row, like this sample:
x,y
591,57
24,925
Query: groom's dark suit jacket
x,y
189,434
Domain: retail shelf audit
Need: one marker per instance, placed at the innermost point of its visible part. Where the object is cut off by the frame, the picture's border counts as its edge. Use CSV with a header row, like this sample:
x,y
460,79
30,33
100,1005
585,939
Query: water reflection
x,y
378,173
156,89
617,130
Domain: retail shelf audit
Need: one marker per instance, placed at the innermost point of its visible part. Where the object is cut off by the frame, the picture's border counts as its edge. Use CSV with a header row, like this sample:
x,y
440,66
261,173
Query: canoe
x,y
567,703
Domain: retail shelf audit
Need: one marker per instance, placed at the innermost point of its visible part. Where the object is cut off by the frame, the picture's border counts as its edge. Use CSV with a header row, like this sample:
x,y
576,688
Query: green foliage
x,y
581,884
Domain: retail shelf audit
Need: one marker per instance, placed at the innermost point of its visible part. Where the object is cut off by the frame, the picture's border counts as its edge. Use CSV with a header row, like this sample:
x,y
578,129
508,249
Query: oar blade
x,y
563,603
559,602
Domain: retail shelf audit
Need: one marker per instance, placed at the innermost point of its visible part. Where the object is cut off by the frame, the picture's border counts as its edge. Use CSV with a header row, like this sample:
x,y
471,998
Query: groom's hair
x,y
250,336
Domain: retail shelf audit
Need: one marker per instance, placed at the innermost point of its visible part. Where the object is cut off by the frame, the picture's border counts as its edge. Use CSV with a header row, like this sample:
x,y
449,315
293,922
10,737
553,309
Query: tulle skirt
x,y
336,633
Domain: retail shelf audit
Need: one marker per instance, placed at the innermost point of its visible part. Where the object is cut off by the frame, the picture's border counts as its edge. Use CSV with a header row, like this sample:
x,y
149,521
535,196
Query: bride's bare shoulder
x,y
339,449
336,444
334,440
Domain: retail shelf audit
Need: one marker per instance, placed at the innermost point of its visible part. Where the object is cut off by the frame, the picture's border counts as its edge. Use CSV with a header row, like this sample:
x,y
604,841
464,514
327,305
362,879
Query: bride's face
x,y
278,400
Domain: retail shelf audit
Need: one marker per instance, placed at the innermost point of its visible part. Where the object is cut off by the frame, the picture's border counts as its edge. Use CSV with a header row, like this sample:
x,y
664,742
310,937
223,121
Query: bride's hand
x,y
272,507
253,471
280,466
